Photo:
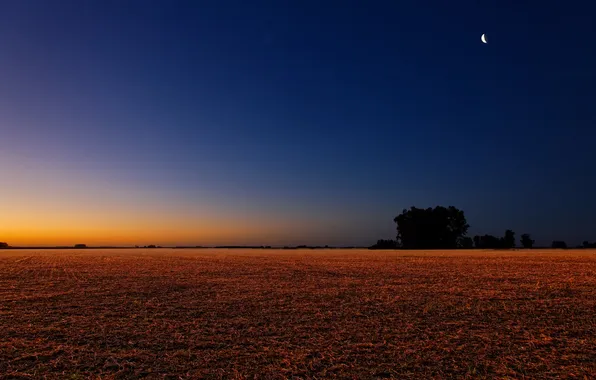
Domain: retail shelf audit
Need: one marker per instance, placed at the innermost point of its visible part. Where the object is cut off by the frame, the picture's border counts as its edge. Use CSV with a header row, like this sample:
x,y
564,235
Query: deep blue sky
x,y
334,115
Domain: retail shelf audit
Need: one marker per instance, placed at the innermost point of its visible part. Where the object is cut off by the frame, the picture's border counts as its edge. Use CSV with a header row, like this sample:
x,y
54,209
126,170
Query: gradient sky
x,y
293,122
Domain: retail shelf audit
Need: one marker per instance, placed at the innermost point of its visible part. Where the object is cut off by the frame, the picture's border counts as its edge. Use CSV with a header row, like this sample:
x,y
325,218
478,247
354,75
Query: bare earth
x,y
168,313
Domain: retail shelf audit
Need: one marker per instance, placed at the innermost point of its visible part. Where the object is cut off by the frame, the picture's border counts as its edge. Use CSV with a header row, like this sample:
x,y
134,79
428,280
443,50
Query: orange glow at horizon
x,y
119,228
51,207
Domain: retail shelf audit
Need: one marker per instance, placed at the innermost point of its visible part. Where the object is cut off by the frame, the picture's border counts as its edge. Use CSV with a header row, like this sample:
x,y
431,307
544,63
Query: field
x,y
172,314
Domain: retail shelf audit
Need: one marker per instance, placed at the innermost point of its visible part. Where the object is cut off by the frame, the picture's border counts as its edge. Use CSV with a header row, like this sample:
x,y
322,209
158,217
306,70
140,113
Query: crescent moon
x,y
483,38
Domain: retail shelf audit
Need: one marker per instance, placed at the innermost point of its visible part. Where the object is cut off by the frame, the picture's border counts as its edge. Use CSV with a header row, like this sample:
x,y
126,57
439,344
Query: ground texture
x,y
173,314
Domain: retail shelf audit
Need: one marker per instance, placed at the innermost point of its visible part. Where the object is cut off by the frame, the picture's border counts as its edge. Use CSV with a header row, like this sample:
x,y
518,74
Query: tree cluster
x,y
431,228
526,241
559,244
446,228
4,245
493,242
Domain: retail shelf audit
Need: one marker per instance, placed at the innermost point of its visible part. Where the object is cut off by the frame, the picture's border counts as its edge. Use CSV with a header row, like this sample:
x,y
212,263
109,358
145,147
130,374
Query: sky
x,y
293,122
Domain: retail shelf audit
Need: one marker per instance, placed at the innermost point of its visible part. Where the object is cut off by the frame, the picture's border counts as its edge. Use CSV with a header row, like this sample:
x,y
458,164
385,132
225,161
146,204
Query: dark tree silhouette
x,y
509,239
488,242
477,241
431,228
587,244
526,241
493,242
559,244
3,245
384,244
467,243
80,246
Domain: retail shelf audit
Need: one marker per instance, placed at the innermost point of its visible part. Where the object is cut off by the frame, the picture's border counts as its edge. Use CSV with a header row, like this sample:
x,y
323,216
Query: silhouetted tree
x,y
3,245
477,241
526,241
509,239
466,243
493,242
80,246
559,244
431,228
384,244
151,246
488,242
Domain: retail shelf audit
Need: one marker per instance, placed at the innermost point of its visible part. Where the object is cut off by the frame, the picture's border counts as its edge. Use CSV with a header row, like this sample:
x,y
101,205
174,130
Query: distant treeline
x,y
269,247
84,246
417,228
76,246
446,228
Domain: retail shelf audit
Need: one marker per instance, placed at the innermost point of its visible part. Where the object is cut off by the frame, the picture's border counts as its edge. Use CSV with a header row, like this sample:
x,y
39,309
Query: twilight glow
x,y
265,123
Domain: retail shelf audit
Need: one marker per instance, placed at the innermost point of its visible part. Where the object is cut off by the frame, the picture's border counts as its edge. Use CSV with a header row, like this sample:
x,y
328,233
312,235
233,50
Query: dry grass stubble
x,y
309,314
